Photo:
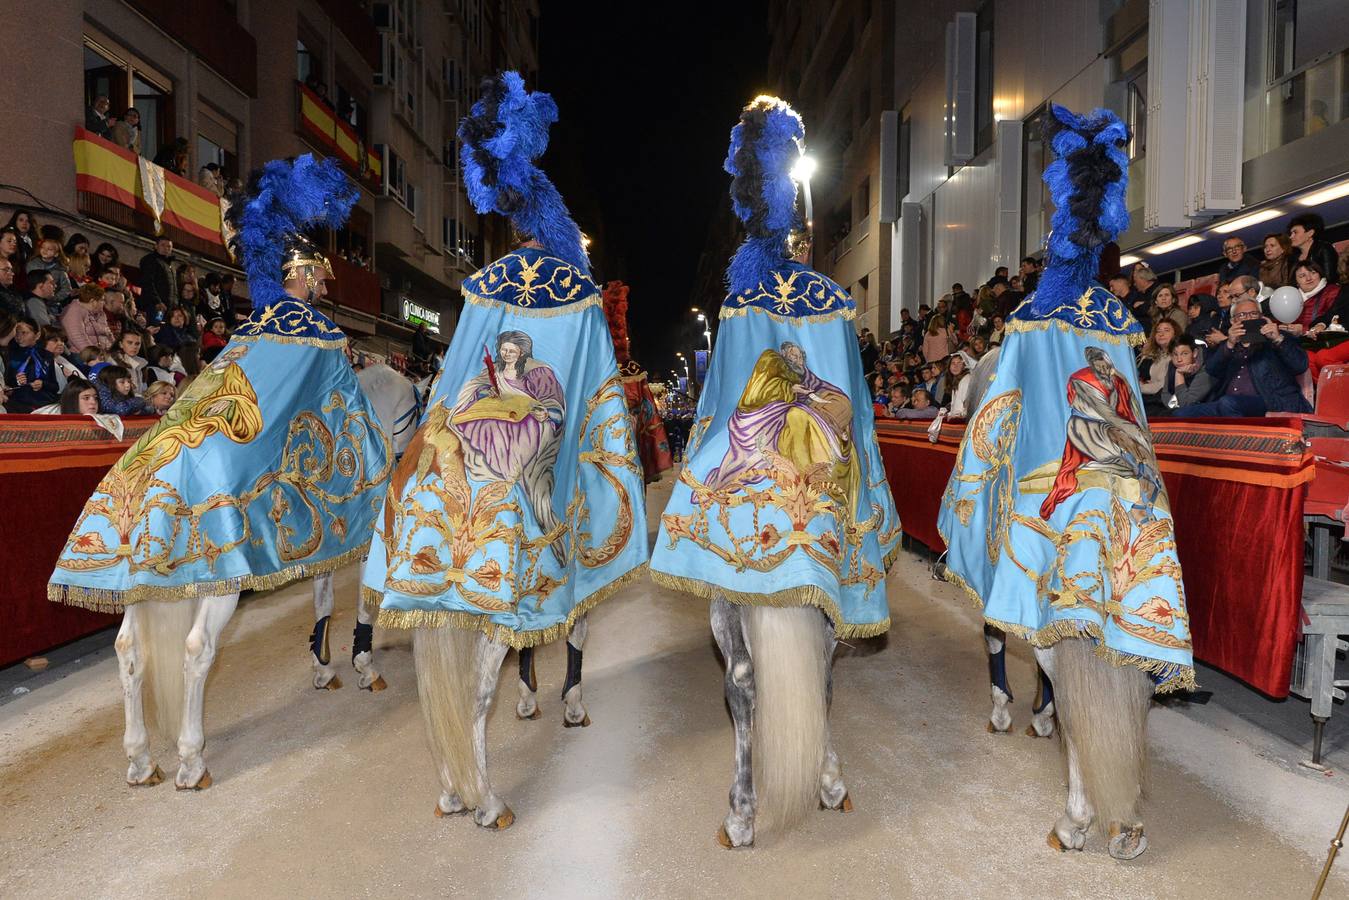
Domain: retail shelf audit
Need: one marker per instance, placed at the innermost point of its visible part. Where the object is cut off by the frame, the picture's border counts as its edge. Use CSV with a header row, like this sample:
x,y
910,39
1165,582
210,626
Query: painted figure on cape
x,y
518,505
1055,517
249,481
782,516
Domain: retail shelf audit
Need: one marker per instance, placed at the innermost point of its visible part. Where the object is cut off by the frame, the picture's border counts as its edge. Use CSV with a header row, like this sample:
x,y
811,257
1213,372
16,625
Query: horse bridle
x,y
410,418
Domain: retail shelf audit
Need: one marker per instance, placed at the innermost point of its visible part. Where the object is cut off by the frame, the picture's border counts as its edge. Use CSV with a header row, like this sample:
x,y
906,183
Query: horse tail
x,y
449,667
787,647
1103,708
161,629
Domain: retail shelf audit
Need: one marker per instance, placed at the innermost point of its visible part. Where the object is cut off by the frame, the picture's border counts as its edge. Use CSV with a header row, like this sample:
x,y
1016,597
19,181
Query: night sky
x,y
647,96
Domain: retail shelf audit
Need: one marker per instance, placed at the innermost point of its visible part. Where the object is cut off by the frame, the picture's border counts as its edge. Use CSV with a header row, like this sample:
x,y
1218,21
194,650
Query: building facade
x,y
380,86
926,116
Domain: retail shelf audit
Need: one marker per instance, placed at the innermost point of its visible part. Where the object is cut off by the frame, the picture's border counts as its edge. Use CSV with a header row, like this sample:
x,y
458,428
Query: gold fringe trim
x,y
501,634
846,313
321,343
574,306
1022,326
1173,676
805,595
109,601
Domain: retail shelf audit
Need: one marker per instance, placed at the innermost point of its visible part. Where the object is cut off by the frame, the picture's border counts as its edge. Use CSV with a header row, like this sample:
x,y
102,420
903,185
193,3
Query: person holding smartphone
x,y
1256,369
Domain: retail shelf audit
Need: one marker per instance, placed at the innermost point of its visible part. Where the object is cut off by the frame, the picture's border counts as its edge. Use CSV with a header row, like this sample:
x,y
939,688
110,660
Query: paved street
x,y
330,794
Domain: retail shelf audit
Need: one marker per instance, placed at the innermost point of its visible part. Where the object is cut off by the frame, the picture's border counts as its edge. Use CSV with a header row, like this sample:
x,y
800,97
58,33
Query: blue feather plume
x,y
285,197
501,137
1087,182
765,144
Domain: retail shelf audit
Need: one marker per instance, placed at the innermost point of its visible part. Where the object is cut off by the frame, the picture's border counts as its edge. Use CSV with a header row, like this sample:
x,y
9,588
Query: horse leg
x,y
833,792
738,829
1070,831
1042,712
325,676
493,811
574,714
363,649
1000,720
201,644
141,772
528,705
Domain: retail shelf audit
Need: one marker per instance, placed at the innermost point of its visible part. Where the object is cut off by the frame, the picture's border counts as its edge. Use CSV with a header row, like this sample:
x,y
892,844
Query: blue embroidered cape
x,y
519,504
270,467
783,499
1055,517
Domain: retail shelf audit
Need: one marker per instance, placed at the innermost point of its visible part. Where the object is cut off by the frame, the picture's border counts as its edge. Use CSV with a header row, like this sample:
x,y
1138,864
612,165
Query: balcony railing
x,y
318,122
354,287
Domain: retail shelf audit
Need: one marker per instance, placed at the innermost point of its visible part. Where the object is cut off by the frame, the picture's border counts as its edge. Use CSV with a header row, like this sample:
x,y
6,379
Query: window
x,y
1304,31
395,176
862,200
305,64
1308,69
217,141
111,71
1037,207
985,123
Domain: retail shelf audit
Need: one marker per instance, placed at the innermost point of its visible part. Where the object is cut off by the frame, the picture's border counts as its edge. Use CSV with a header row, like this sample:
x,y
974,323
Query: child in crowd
x,y
127,355
80,398
50,258
159,396
116,393
214,340
31,371
164,366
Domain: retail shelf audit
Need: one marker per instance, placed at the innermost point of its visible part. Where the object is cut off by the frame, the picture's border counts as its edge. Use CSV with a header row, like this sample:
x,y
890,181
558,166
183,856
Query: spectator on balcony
x,y
83,321
96,117
1322,301
173,156
1253,379
53,340
1154,361
159,396
41,297
126,131
78,261
1164,306
1276,270
116,392
1304,233
80,398
51,260
157,274
214,340
23,224
104,257
1187,384
127,354
210,177
30,372
1236,262
11,301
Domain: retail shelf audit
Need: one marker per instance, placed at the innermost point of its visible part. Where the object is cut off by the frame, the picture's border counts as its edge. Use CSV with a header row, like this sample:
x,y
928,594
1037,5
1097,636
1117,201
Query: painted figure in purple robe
x,y
791,410
509,418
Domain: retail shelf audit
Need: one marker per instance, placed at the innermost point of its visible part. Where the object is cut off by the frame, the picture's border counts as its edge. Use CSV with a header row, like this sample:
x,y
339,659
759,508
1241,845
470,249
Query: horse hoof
x,y
154,778
377,685
202,783
505,820
994,730
1054,841
724,839
441,814
844,805
584,723
536,714
1128,844
334,685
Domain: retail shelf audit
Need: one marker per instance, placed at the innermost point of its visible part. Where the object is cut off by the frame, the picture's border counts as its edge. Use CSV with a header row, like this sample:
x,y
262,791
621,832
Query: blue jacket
x,y
1274,370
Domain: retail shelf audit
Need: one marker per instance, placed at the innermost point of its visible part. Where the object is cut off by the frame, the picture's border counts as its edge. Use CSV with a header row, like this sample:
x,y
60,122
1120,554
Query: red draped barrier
x,y
1236,487
49,465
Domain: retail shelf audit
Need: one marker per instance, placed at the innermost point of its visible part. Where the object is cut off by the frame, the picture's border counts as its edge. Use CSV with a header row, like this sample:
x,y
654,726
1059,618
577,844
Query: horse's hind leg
x,y
738,829
363,650
141,772
325,676
1042,712
527,707
493,813
1000,719
202,642
833,792
1070,831
574,714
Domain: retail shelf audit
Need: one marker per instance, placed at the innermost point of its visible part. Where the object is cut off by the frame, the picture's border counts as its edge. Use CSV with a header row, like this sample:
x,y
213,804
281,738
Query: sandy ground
x,y
330,793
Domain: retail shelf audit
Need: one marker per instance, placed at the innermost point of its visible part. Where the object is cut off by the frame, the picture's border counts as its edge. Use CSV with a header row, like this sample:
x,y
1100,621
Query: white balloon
x,y
1286,304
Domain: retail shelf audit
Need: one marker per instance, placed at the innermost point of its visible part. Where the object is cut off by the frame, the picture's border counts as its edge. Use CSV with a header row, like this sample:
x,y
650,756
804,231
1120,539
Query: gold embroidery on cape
x,y
290,318
526,285
804,292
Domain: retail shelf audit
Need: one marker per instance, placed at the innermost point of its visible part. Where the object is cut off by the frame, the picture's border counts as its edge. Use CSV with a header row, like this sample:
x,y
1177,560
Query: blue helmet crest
x,y
765,144
506,131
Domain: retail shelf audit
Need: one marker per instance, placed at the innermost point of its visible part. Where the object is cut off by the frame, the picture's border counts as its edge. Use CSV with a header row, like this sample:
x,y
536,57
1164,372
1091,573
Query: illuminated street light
x,y
804,169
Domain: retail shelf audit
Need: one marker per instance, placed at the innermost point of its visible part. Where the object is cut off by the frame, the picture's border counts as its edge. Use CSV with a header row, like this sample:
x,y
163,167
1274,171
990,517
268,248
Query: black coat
x,y
156,281
1274,370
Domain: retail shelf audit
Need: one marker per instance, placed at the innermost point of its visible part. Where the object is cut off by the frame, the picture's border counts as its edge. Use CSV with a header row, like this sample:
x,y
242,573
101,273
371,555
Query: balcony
x,y
317,122
110,186
353,287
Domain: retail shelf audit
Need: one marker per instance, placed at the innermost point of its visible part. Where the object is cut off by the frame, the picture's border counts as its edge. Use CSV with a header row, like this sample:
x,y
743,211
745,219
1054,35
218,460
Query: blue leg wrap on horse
x,y
362,639
997,662
527,668
1045,695
573,669
318,641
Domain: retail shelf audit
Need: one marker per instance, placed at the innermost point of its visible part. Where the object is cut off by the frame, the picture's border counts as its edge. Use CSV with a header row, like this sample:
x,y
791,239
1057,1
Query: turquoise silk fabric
x,y
519,504
270,467
1056,517
783,499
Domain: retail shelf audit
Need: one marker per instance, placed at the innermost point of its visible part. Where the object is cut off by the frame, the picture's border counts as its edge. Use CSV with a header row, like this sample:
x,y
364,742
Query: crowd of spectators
x,y
78,337
1220,354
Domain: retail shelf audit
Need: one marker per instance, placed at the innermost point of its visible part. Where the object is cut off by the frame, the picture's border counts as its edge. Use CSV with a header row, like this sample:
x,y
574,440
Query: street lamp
x,y
802,172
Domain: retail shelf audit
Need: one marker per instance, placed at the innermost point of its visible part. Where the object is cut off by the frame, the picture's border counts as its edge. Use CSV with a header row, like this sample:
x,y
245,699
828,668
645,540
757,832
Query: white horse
x,y
165,650
779,684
